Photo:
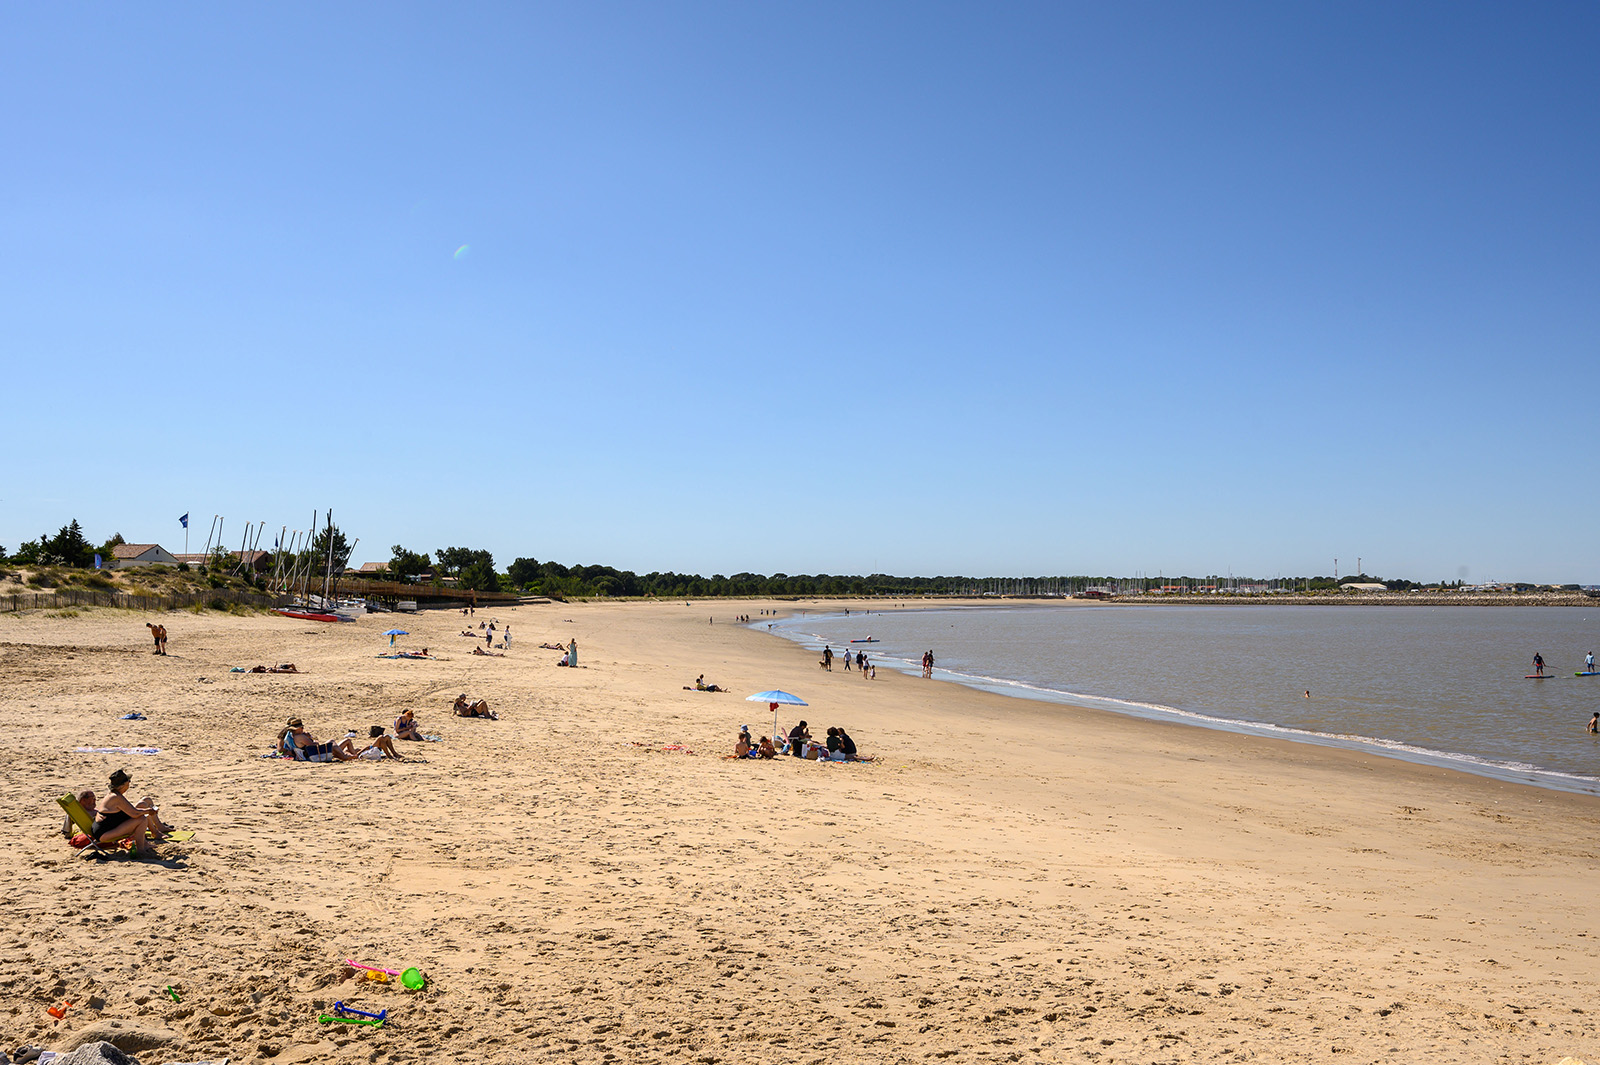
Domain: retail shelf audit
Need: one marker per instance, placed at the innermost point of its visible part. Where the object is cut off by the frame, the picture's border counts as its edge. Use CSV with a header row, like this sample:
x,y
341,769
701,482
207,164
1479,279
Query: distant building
x,y
373,569
1355,586
260,561
127,556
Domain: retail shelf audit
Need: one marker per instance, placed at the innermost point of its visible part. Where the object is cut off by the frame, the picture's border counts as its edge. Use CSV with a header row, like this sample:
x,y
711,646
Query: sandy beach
x,y
588,878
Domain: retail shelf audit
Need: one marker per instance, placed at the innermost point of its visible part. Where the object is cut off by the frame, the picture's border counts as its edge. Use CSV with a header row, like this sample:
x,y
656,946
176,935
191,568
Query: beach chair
x,y
85,824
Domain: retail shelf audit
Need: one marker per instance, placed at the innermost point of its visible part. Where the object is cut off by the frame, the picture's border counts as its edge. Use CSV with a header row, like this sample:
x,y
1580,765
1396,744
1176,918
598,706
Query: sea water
x,y
1437,685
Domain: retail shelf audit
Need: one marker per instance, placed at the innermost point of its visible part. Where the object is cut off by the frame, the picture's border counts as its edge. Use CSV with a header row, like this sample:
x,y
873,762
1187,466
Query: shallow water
x,y
1441,685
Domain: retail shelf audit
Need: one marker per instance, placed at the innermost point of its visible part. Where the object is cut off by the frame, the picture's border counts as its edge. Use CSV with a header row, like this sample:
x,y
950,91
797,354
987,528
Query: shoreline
x,y
1009,879
1507,771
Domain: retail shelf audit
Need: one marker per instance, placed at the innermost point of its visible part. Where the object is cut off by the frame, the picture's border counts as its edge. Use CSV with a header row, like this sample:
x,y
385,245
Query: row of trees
x,y
474,568
68,547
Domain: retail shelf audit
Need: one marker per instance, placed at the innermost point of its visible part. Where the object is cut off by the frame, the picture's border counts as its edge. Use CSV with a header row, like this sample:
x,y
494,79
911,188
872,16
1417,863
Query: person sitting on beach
x,y
798,737
381,746
847,747
405,726
744,748
700,685
486,654
767,750
118,819
475,708
69,828
296,743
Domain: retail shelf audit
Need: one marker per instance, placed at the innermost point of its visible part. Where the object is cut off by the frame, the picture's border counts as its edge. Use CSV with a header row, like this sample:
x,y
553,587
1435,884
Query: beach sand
x,y
1012,881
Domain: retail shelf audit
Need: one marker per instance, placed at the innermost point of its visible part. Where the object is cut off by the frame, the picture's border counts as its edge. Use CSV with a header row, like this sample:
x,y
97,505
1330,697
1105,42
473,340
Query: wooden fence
x,y
125,601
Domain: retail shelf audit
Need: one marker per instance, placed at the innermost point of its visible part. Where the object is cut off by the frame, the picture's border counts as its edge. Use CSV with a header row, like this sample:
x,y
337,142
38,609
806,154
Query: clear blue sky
x,y
916,288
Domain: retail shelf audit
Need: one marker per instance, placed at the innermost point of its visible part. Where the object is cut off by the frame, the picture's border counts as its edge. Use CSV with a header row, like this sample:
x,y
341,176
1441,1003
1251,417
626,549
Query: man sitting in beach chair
x,y
78,826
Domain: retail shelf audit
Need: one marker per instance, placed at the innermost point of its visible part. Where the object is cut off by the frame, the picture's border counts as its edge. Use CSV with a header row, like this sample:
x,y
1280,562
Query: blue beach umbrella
x,y
392,633
775,698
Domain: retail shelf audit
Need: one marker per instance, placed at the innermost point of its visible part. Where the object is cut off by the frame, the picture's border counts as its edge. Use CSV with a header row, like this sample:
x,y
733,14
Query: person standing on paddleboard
x,y
1538,664
1588,662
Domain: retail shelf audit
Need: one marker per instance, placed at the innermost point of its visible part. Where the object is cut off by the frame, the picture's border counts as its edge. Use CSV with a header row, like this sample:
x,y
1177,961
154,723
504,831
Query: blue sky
x,y
915,288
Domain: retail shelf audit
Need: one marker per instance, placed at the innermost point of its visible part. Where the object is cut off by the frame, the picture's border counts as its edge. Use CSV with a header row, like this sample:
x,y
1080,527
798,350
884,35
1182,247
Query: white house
x,y
124,556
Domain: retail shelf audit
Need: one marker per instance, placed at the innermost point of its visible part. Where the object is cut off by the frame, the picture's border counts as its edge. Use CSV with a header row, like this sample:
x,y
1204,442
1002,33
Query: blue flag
x,y
96,561
184,521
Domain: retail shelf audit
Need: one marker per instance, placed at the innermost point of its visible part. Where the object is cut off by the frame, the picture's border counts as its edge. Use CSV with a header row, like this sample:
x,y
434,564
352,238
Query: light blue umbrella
x,y
392,633
776,698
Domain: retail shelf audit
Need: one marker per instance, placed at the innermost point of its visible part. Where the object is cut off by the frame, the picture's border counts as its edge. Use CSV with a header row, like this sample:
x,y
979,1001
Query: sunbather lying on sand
x,y
487,654
475,708
287,667
554,646
700,685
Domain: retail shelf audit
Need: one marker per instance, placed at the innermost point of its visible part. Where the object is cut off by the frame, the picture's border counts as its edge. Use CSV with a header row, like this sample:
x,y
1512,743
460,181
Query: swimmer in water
x,y
1594,723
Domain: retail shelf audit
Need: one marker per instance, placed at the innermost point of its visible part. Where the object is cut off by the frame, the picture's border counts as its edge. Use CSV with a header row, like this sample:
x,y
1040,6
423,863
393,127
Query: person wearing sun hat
x,y
118,819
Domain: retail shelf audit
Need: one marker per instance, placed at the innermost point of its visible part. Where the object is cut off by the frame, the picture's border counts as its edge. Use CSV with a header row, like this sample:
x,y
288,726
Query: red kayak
x,y
305,615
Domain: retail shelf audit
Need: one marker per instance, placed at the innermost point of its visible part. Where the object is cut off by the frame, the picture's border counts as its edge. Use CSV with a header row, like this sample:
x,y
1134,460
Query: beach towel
x,y
117,750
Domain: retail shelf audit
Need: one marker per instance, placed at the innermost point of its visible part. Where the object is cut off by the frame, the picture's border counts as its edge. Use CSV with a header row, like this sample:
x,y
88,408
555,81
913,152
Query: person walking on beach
x,y
927,664
827,658
1538,664
847,657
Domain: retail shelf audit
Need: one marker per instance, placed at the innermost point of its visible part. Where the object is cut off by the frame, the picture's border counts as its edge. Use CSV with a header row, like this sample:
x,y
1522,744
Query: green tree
x,y
318,551
104,550
68,547
404,564
523,572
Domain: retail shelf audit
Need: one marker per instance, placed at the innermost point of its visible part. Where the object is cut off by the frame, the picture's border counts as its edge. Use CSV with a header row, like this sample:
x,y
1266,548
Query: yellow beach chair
x,y
80,817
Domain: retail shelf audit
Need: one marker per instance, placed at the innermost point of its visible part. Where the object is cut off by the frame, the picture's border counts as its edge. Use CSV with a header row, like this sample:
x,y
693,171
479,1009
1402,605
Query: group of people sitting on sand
x,y
117,818
296,743
700,685
838,746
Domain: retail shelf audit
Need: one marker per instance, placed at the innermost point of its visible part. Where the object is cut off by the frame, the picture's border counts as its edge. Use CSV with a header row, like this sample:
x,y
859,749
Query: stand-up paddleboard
x,y
1539,676
1591,674
869,639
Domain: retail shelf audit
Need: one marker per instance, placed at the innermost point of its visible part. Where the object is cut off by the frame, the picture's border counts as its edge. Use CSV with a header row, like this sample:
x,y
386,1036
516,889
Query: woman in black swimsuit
x,y
117,818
